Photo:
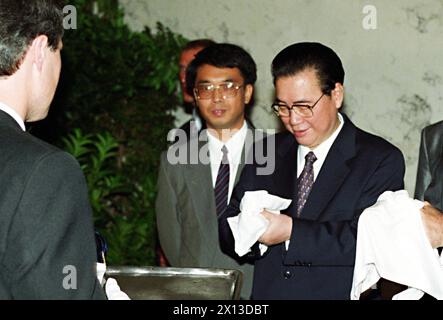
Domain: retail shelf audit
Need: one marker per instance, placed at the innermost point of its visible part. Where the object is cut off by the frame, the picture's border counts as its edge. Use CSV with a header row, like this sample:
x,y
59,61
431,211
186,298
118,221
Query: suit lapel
x,y
439,185
199,180
285,176
247,147
434,192
333,172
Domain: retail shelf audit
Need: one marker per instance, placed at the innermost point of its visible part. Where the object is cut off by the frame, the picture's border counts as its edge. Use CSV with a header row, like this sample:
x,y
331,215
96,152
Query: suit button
x,y
287,274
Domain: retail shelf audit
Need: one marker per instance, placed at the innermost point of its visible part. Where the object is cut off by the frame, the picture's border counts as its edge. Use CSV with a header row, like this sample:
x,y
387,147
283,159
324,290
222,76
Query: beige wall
x,y
393,73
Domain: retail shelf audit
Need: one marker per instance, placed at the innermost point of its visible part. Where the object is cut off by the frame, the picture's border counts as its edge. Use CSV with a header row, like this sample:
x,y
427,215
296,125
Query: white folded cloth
x,y
409,294
249,224
392,244
112,289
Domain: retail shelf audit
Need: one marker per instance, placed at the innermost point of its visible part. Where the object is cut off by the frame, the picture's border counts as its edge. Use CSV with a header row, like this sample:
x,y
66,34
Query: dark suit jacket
x,y
46,233
320,259
187,219
429,184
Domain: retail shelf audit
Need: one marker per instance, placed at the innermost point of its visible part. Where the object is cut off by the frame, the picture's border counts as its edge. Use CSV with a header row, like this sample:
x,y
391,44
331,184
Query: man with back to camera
x,y
329,168
192,195
47,246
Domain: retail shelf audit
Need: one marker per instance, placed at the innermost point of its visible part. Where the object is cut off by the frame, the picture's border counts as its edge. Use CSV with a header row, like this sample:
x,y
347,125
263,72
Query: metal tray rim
x,y
235,276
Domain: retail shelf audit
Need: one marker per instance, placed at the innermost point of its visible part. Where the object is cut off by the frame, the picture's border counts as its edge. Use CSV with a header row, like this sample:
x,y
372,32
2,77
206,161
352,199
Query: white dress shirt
x,y
13,114
321,151
235,147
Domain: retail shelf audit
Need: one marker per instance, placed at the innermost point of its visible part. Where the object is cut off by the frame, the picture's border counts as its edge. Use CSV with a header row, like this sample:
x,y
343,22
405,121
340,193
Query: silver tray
x,y
160,283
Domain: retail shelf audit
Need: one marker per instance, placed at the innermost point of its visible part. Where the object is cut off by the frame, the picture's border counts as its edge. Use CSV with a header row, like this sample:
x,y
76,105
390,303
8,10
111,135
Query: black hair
x,y
222,55
310,55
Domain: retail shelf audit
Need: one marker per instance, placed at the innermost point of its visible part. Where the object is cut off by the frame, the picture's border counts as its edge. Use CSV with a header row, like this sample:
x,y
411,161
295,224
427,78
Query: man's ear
x,y
194,94
38,51
338,95
249,90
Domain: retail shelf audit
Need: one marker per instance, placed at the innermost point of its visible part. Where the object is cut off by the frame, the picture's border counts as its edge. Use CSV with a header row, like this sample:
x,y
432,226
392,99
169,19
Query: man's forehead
x,y
208,70
300,79
299,88
307,73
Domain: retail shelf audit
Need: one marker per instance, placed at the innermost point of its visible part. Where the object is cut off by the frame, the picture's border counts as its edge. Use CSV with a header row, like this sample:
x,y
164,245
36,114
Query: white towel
x,y
112,289
249,224
392,244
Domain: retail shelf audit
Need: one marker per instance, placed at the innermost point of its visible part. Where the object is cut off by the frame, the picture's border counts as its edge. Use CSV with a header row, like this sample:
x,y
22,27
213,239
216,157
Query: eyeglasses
x,y
303,110
227,90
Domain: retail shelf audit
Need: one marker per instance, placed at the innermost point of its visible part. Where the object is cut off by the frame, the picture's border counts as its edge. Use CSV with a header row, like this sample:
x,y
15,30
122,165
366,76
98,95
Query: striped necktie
x,y
221,188
305,181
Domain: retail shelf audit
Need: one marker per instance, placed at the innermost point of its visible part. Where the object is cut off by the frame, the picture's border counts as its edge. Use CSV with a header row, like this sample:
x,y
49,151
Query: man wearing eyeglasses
x,y
329,168
192,194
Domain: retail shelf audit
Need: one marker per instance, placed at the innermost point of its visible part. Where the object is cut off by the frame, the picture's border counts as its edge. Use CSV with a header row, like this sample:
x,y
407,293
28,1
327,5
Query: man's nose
x,y
294,118
217,95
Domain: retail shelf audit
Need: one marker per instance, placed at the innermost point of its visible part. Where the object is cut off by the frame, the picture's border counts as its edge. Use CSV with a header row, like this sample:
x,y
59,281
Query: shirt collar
x,y
321,151
234,144
13,114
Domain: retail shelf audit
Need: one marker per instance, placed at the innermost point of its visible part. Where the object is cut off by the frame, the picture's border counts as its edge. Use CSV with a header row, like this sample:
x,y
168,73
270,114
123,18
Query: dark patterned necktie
x,y
305,181
221,188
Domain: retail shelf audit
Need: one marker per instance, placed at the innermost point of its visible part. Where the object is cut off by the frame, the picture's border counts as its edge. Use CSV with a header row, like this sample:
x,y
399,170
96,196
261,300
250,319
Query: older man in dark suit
x,y
47,246
329,168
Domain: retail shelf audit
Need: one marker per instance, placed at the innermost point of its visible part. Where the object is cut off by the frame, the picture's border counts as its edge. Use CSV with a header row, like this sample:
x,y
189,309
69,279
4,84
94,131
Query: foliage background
x,y
112,111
